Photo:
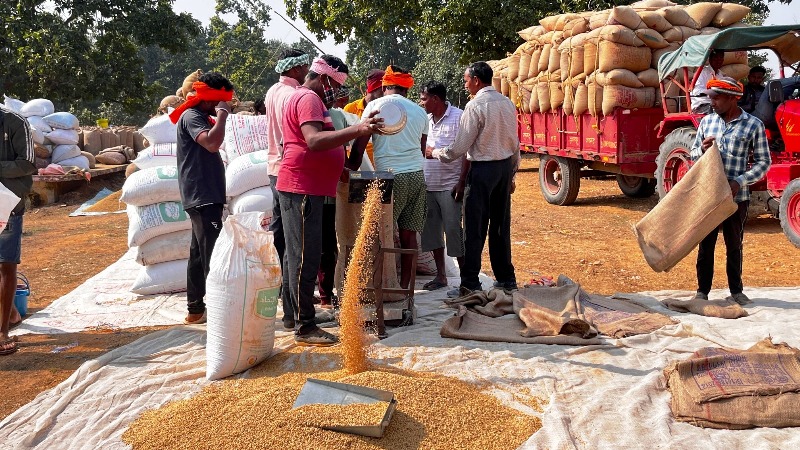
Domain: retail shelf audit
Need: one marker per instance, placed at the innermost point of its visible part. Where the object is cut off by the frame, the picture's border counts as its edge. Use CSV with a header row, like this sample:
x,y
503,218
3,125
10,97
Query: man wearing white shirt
x,y
701,102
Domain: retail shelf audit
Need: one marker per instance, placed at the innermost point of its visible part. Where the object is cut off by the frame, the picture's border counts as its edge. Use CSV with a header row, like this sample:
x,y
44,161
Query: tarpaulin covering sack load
x,y
737,389
697,204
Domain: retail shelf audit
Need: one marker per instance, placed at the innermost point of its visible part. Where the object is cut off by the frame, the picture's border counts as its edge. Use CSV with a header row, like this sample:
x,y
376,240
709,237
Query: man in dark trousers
x,y
16,170
487,134
201,176
736,134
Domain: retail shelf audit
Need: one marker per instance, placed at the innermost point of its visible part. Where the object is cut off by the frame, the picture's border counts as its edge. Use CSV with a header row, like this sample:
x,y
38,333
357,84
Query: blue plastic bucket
x,y
21,297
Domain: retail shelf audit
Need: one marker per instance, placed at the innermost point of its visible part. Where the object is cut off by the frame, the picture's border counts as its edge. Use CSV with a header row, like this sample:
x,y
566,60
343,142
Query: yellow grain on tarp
x,y
109,204
357,277
433,412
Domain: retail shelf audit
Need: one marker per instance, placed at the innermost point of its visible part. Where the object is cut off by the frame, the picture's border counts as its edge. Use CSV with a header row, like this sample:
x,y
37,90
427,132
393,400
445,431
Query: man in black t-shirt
x,y
201,176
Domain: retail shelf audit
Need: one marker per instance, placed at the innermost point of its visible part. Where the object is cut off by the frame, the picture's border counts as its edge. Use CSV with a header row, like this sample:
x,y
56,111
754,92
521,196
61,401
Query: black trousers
x,y
487,207
276,227
330,252
733,233
206,226
302,219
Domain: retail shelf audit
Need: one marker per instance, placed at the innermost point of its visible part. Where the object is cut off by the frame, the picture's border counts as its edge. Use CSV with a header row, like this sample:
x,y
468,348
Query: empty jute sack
x,y
724,309
737,389
697,204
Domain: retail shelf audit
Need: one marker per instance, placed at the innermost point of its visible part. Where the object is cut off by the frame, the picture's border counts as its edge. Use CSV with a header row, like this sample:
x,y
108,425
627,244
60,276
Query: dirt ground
x,y
590,241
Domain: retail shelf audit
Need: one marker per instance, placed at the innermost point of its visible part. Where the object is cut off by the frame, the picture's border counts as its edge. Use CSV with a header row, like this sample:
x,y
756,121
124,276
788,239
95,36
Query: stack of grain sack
x,y
55,134
246,181
598,61
158,226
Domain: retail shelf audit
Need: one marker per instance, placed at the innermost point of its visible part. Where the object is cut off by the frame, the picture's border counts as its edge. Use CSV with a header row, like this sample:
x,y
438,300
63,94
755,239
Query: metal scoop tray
x,y
332,393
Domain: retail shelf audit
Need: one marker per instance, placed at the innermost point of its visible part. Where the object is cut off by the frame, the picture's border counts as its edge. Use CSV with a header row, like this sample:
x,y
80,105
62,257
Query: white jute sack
x,y
147,222
79,161
160,130
618,56
162,278
37,107
8,201
243,292
628,98
255,200
167,247
151,185
37,136
39,123
62,120
245,134
157,155
63,137
249,172
697,204
13,104
729,14
62,152
703,13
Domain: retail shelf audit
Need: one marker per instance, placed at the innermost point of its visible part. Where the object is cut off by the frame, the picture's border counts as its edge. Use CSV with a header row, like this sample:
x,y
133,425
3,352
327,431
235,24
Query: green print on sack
x,y
258,157
267,302
171,212
167,173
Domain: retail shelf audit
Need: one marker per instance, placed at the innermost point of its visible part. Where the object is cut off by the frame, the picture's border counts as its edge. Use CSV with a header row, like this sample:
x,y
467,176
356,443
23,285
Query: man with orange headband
x,y
374,91
201,177
736,134
313,160
403,154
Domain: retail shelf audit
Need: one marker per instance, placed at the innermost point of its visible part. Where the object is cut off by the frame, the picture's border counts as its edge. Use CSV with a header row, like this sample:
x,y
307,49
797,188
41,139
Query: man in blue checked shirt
x,y
736,133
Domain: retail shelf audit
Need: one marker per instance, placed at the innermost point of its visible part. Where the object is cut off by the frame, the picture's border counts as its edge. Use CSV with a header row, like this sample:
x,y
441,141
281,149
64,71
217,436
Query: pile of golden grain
x,y
109,204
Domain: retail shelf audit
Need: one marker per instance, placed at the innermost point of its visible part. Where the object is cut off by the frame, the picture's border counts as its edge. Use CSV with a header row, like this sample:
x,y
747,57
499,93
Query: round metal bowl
x,y
394,117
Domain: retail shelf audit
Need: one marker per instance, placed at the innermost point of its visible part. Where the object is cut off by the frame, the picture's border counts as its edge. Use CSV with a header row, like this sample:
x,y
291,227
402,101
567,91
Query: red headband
x,y
392,78
373,85
202,93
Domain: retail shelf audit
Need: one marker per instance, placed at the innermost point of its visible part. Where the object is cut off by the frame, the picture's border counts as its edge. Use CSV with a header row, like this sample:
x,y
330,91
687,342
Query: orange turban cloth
x,y
392,78
723,86
202,93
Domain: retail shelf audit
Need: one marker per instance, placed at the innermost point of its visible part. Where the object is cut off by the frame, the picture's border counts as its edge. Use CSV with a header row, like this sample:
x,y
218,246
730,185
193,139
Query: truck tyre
x,y
559,179
790,212
673,159
636,187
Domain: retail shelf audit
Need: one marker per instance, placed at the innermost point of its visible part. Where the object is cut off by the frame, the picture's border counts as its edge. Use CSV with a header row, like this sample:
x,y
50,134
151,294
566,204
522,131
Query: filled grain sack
x,y
37,136
729,14
147,222
244,286
244,174
658,53
598,19
92,142
39,123
170,101
157,155
79,161
679,34
648,78
160,130
525,90
569,97
90,157
543,93
652,4
513,67
556,94
255,200
703,13
565,18
594,98
42,151
63,137
736,71
617,56
13,104
655,21
581,102
565,64
62,120
697,204
626,16
167,247
709,30
739,57
162,278
620,35
113,158
534,102
186,87
544,58
245,134
616,96
618,76
589,56
533,67
555,60
576,26
652,38
37,107
527,33
151,185
576,55
524,66
65,151
678,17
513,93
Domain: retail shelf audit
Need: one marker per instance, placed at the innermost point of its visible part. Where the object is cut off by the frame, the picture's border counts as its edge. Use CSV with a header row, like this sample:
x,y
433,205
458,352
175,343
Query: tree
x,y
395,46
439,62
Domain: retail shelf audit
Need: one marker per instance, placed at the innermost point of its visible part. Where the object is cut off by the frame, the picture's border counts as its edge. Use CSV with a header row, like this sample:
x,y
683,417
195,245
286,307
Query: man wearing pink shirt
x,y
293,67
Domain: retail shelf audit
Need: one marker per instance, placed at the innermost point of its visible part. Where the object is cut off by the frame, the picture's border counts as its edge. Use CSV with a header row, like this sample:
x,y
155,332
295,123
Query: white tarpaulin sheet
x,y
609,396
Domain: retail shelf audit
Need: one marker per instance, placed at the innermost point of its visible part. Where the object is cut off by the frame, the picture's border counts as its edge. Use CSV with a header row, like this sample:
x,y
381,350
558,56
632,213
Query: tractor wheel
x,y
559,179
790,212
636,187
673,159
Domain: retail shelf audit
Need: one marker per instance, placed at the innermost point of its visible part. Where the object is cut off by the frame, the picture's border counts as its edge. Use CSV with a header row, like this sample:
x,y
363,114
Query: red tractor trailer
x,y
648,149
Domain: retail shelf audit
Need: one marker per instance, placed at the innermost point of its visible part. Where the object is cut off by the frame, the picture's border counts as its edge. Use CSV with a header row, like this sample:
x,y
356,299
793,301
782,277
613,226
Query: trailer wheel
x,y
636,187
559,179
673,159
790,212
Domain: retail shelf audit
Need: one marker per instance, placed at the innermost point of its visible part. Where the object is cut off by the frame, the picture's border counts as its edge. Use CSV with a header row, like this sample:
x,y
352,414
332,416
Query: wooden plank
x,y
99,170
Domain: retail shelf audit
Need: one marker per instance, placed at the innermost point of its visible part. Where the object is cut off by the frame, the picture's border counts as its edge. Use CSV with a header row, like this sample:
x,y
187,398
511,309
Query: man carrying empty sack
x,y
736,134
201,176
16,170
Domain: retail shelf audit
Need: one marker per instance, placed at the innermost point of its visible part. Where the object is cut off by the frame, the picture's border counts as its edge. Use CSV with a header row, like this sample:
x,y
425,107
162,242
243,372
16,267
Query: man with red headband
x,y
374,91
736,134
402,154
201,177
313,160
